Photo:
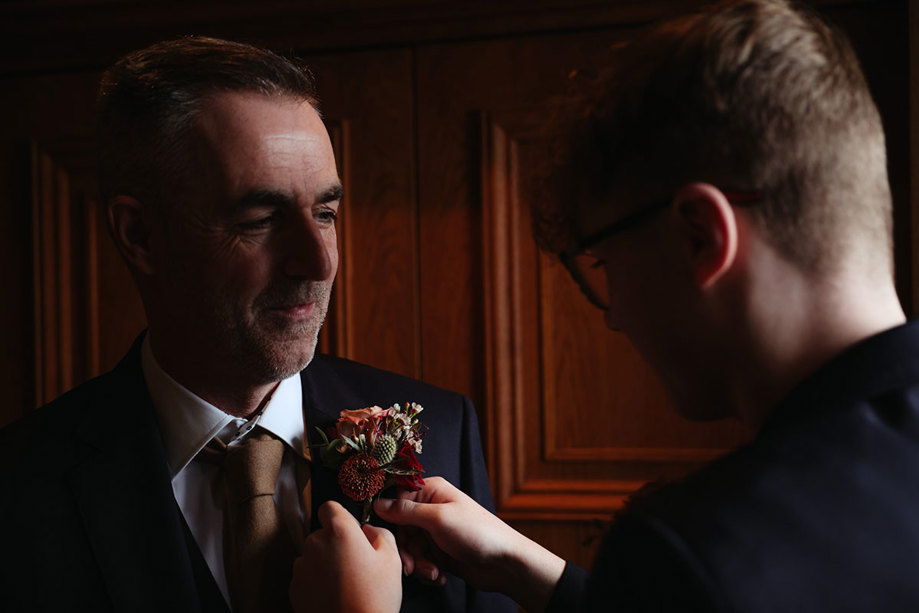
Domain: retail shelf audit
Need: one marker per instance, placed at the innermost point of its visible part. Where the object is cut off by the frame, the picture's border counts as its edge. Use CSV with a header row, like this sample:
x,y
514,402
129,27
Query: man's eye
x,y
258,224
327,217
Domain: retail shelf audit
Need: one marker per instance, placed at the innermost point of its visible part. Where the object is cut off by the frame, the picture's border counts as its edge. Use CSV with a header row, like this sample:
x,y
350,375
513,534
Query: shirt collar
x,y
188,422
878,364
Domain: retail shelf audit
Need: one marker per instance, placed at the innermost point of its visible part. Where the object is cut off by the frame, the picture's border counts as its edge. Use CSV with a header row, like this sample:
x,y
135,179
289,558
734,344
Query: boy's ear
x,y
129,223
709,226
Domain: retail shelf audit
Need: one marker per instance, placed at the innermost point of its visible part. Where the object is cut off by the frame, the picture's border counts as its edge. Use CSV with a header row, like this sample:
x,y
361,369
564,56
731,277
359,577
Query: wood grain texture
x,y
456,83
370,96
38,109
86,308
333,337
577,419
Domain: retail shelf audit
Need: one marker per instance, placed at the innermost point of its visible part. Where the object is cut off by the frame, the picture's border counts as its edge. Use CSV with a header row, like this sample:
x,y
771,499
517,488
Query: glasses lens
x,y
591,277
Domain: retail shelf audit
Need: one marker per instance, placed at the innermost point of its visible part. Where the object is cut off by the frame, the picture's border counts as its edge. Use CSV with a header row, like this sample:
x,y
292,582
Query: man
x,y
731,186
127,493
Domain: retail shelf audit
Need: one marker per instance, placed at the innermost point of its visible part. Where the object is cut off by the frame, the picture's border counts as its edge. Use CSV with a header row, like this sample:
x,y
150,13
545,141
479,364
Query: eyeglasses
x,y
587,270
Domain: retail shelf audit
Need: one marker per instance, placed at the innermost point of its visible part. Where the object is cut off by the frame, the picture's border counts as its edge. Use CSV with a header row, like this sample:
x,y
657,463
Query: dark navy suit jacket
x,y
87,510
819,513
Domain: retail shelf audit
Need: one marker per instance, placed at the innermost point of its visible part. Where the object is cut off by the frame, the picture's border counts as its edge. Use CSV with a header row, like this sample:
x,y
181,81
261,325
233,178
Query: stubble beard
x,y
268,352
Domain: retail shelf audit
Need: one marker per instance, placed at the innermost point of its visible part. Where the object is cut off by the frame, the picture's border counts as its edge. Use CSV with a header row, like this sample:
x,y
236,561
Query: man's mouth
x,y
295,311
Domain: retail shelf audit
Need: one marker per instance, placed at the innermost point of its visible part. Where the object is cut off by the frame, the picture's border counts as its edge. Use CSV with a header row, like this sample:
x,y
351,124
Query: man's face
x,y
248,253
653,301
627,258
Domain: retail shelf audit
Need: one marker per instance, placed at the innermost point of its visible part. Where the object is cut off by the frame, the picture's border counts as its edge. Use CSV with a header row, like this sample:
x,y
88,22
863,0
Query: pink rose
x,y
360,421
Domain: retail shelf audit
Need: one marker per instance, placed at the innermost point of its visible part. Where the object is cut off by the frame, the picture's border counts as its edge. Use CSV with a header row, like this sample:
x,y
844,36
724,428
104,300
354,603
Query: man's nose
x,y
311,251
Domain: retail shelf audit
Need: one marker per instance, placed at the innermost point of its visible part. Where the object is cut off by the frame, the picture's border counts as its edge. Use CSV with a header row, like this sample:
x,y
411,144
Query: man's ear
x,y
129,223
709,225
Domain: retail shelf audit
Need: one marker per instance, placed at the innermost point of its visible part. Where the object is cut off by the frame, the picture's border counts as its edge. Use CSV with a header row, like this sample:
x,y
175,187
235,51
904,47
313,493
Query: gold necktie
x,y
258,552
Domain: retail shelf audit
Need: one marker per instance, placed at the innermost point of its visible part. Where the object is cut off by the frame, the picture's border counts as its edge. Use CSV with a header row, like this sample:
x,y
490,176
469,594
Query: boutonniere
x,y
373,449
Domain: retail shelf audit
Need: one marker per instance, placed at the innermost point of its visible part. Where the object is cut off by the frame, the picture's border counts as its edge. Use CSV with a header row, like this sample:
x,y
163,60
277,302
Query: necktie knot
x,y
251,468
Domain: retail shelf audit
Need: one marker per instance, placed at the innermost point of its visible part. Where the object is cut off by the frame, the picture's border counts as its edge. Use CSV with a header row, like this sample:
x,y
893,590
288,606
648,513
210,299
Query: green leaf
x,y
325,439
331,456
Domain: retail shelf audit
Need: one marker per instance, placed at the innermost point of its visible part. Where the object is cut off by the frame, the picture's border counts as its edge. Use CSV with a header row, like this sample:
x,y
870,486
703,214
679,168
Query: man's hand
x,y
346,567
453,533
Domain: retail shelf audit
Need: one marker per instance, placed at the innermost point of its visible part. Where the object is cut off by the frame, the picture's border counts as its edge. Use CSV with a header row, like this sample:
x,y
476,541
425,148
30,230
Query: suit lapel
x,y
122,487
325,395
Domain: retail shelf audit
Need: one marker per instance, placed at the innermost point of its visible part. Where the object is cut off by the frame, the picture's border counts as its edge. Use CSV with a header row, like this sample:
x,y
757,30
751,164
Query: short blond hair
x,y
746,95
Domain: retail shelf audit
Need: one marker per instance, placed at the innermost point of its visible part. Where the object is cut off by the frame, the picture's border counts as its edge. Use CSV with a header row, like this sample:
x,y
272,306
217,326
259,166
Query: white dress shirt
x,y
188,423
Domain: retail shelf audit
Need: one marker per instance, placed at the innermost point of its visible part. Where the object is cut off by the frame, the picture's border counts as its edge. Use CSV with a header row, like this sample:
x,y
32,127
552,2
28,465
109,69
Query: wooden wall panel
x,y
38,109
455,84
67,231
370,96
333,337
578,418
